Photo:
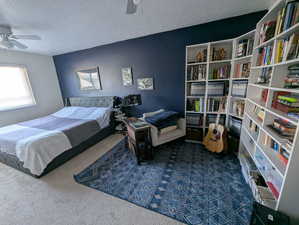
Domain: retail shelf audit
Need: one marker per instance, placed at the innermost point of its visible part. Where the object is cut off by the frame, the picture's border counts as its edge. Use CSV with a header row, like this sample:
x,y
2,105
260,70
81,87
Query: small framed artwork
x,y
89,79
145,84
127,76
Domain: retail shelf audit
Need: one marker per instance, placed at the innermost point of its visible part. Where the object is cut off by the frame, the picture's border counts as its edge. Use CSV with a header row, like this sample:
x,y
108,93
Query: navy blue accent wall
x,y
161,56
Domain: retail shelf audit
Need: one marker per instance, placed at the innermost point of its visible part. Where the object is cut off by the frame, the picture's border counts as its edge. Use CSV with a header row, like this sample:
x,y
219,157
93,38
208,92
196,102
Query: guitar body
x,y
214,141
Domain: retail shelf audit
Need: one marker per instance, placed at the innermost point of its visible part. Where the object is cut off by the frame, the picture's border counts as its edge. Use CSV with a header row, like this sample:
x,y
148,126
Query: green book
x,y
197,106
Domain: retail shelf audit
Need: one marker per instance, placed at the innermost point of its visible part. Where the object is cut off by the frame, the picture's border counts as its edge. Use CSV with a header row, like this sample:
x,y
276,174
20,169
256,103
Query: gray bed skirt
x,y
13,161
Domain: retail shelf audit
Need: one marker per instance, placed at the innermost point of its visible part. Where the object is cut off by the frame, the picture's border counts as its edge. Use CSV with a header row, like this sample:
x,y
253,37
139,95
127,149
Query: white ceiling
x,y
70,25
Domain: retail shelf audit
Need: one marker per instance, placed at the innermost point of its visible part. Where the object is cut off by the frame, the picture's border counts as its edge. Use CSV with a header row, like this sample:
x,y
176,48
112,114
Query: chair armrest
x,y
182,124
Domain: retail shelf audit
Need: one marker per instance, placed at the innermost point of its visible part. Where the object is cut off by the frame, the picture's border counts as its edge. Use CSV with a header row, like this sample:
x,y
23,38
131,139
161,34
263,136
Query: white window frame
x,y
27,78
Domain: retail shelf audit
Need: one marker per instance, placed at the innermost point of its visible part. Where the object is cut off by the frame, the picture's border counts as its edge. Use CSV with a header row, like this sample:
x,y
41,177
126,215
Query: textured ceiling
x,y
70,25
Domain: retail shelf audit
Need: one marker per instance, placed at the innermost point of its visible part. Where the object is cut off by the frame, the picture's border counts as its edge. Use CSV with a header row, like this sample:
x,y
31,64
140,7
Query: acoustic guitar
x,y
216,138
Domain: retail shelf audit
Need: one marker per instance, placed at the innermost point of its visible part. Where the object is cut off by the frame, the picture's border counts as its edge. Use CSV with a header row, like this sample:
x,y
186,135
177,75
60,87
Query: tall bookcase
x,y
207,70
269,158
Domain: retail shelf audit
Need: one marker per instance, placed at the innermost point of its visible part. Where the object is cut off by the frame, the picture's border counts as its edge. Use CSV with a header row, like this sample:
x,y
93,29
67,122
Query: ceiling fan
x,y
9,40
132,6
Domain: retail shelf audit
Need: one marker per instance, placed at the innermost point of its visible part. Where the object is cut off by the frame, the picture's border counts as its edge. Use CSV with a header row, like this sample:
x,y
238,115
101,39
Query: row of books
x,y
219,54
265,56
287,103
242,70
245,47
216,104
287,49
222,72
292,79
194,120
195,105
214,89
196,72
264,76
238,107
287,17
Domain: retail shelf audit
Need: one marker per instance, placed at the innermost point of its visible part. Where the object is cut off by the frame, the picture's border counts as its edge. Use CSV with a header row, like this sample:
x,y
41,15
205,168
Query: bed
x,y
39,146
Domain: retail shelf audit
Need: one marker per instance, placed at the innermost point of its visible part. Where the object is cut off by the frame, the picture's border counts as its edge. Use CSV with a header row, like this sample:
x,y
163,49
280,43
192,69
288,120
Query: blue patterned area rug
x,y
184,182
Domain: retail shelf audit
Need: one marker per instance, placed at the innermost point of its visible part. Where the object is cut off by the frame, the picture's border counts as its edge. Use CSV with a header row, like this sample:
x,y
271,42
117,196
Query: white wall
x,y
44,82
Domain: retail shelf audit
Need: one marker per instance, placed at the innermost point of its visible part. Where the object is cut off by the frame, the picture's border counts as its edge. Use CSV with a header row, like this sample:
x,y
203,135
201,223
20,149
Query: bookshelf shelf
x,y
280,151
242,58
222,61
194,81
197,63
266,43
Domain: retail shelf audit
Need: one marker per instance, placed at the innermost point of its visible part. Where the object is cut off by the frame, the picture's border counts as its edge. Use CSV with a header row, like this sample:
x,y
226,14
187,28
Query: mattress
x,y
38,146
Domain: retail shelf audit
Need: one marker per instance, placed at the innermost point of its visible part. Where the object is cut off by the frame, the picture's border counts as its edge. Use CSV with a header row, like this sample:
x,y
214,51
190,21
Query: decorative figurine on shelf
x,y
200,57
222,54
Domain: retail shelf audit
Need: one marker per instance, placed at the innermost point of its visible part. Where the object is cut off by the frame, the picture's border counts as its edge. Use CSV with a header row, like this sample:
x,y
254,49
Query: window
x,y
15,90
89,79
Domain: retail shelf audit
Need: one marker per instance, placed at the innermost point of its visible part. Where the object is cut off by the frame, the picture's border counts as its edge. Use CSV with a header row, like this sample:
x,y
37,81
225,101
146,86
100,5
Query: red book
x,y
273,189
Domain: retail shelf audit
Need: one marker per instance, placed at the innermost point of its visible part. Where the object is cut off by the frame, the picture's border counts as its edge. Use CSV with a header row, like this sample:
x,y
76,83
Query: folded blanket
x,y
163,119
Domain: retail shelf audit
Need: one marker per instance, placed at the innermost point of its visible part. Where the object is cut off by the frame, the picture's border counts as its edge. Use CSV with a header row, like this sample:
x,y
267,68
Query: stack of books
x,y
195,105
267,31
242,70
245,47
284,156
287,17
220,72
219,54
196,72
284,127
287,49
265,56
292,79
216,104
265,76
287,103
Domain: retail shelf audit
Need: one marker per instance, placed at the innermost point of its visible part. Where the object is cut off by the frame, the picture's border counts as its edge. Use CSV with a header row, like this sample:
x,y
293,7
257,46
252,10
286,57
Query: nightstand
x,y
139,139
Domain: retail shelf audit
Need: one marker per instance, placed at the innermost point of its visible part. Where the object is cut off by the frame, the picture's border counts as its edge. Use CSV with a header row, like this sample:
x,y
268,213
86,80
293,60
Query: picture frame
x,y
127,76
145,83
89,79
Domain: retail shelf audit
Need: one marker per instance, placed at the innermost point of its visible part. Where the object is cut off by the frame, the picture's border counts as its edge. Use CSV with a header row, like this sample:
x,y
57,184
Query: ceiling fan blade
x,y
6,44
18,44
25,37
131,7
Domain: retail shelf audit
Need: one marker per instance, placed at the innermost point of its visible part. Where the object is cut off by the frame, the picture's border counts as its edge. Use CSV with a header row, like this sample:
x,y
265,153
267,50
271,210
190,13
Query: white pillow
x,y
152,113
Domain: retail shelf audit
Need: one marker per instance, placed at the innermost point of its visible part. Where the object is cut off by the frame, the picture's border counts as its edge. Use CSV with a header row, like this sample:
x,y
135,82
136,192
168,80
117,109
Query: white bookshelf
x,y
230,45
283,175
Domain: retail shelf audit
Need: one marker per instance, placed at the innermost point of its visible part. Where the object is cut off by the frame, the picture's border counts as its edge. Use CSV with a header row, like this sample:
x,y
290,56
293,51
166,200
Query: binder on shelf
x,y
197,89
216,89
239,88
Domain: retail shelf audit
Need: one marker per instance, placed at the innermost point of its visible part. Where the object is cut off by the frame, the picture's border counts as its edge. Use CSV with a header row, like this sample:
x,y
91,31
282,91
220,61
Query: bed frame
x,y
101,101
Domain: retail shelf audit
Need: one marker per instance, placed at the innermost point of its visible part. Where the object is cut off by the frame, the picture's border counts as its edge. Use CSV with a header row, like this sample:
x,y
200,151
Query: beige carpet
x,y
57,200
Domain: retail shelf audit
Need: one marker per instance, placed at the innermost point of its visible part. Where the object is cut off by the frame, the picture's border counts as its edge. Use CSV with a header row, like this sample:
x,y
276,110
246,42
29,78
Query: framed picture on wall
x,y
145,84
127,76
89,79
